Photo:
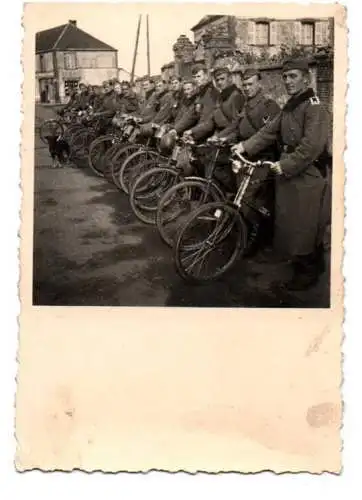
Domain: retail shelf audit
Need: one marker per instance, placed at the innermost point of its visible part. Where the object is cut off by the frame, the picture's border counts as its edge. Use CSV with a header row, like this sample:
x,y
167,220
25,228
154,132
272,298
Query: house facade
x,y
67,55
259,36
247,41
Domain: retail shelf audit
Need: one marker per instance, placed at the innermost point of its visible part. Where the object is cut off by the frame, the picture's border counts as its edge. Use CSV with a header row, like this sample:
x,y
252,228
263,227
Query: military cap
x,y
220,71
250,72
290,64
188,81
199,67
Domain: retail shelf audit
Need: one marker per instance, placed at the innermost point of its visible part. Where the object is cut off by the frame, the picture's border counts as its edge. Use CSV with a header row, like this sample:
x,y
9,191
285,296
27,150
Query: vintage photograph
x,y
194,173
181,254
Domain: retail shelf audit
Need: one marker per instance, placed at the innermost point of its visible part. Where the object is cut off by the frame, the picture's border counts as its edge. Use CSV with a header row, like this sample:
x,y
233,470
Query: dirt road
x,y
89,249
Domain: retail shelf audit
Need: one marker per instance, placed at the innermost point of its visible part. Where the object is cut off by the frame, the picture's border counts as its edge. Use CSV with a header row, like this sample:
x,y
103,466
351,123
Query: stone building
x,y
258,38
66,55
247,41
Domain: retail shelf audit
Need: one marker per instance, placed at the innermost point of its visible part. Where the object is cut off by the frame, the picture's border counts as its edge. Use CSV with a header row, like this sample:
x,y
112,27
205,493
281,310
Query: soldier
x,y
302,175
229,104
148,107
164,103
205,102
96,100
129,101
181,115
258,109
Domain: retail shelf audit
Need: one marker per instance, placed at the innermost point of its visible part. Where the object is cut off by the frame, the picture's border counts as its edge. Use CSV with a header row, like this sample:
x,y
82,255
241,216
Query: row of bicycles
x,y
207,227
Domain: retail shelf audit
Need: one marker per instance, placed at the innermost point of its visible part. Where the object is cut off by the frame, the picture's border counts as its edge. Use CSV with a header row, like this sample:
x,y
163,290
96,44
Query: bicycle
x,y
187,193
216,234
104,148
134,165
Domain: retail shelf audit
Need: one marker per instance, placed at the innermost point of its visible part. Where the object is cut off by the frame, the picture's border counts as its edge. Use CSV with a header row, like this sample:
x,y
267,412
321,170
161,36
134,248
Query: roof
x,y
205,20
67,37
168,65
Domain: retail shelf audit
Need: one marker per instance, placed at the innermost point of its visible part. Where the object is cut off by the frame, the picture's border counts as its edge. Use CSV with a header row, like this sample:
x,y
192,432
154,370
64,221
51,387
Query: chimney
x,y
73,22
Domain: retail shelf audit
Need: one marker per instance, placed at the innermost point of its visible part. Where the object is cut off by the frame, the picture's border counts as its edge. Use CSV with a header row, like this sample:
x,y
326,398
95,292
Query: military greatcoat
x,y
301,198
228,106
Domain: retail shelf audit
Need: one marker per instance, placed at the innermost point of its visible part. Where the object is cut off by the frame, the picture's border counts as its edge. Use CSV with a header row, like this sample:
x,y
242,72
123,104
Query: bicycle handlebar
x,y
249,163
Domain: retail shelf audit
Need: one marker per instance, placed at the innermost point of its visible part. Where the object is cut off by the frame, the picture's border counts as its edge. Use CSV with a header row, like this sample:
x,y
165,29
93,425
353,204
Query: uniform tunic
x,y
148,108
164,107
228,106
257,111
129,103
205,102
301,201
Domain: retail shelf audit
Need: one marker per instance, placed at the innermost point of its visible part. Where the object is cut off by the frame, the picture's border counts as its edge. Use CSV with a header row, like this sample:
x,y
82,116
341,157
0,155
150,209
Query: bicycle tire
x,y
52,121
79,147
130,167
122,154
146,192
94,165
237,247
209,189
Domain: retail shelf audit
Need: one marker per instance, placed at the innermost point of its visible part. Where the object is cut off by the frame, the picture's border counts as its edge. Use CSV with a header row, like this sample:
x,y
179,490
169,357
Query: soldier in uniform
x,y
164,103
228,105
302,175
129,101
181,115
148,107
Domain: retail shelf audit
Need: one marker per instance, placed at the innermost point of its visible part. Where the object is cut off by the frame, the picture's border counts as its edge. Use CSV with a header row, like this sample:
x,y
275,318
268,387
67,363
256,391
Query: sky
x,y
116,24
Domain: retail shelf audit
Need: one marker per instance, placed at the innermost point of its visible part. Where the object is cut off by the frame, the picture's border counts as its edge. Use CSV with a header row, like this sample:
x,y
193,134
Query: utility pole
x,y
135,49
148,50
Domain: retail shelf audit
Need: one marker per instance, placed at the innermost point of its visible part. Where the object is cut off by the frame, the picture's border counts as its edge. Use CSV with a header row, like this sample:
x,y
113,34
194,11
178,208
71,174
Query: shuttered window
x,y
70,60
307,35
297,35
274,39
321,33
251,32
261,33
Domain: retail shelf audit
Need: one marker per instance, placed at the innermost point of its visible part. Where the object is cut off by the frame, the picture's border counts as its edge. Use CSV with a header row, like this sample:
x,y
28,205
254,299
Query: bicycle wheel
x,y
52,128
179,201
108,159
72,130
79,146
97,151
131,167
119,158
209,242
148,188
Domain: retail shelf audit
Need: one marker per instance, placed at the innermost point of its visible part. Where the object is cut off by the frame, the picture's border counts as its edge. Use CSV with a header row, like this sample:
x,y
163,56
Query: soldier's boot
x,y
307,271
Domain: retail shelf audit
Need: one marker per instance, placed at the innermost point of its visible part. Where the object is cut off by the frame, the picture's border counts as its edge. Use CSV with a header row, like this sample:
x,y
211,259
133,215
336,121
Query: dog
x,y
59,150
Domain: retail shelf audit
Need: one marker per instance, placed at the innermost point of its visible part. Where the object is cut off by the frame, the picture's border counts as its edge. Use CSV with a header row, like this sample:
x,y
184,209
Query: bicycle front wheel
x,y
50,128
209,242
96,153
123,152
179,201
131,168
147,190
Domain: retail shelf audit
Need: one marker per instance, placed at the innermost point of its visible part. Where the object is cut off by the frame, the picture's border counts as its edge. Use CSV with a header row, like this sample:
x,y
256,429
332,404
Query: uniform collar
x,y
294,101
149,93
252,101
205,88
226,93
164,92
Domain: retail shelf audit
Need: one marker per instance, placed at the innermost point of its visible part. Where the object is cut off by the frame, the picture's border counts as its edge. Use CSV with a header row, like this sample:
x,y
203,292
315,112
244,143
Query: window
x,y
261,33
41,63
70,60
307,37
